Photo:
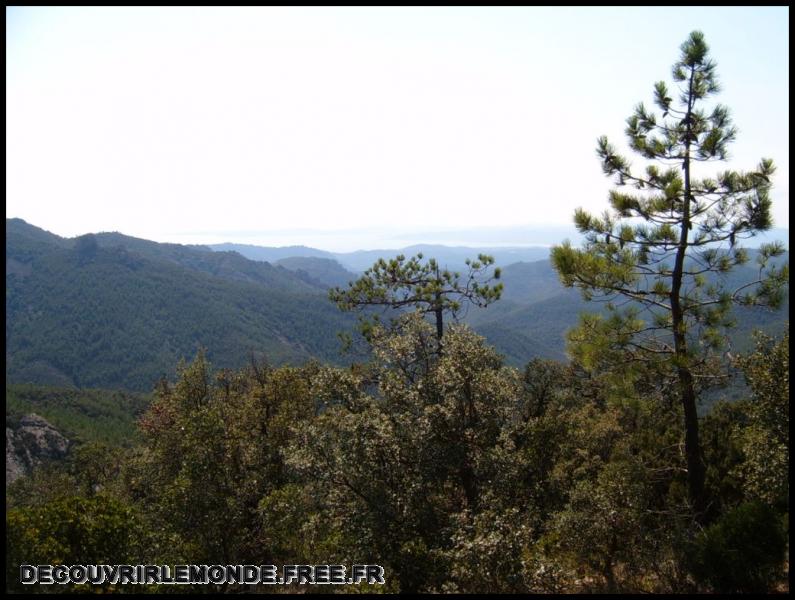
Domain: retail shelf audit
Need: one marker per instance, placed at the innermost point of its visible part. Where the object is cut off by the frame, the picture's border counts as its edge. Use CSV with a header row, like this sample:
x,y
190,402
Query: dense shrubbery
x,y
453,471
743,551
73,530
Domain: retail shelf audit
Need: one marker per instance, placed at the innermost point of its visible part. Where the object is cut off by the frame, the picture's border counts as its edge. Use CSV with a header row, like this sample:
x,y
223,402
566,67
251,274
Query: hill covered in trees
x,y
111,311
87,415
536,310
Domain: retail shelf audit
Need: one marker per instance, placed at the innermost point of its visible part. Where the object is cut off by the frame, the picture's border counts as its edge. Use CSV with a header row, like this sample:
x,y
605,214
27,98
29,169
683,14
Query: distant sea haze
x,y
383,238
392,239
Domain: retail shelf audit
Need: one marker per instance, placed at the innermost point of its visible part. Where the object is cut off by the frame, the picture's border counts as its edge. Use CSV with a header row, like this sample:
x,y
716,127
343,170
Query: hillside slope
x,y
323,271
99,315
536,310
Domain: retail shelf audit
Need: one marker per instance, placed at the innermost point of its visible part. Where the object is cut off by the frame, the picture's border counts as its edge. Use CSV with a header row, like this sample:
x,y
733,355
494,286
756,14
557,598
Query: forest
x,y
653,457
453,472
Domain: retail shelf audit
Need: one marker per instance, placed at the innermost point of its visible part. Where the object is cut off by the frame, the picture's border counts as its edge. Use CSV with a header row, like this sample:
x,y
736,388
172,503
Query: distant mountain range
x,y
454,254
333,243
535,310
452,257
112,311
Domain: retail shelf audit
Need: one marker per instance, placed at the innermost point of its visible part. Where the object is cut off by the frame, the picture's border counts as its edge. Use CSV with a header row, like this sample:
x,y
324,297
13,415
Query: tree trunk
x,y
468,483
438,312
695,465
696,470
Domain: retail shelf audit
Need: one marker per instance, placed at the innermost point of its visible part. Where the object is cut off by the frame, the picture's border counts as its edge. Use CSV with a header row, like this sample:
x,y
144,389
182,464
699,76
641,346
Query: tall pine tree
x,y
667,245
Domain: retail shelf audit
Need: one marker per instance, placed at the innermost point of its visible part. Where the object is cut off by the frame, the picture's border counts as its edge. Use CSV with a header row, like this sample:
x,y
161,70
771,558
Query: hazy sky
x,y
216,124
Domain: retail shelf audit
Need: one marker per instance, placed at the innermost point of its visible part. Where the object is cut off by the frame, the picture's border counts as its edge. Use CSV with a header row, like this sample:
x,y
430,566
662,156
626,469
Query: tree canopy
x,y
422,286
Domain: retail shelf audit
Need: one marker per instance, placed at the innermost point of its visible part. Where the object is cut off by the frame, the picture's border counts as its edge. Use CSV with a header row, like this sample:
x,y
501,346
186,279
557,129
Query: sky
x,y
347,128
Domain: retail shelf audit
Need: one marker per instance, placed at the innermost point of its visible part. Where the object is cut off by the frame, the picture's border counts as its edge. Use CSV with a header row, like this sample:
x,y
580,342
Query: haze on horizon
x,y
346,128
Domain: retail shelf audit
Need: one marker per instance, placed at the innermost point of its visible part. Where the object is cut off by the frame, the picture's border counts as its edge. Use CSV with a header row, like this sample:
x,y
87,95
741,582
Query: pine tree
x,y
667,246
423,286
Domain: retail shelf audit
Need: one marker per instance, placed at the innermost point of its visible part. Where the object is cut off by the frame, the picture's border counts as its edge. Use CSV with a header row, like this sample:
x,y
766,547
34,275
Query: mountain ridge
x,y
108,310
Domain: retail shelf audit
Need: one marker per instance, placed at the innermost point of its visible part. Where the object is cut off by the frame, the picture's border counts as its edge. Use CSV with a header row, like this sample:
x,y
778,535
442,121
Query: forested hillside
x,y
108,416
536,310
108,310
324,271
111,311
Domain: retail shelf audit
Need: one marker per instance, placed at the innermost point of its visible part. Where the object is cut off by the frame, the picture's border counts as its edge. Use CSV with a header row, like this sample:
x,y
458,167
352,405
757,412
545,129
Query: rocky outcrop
x,y
32,442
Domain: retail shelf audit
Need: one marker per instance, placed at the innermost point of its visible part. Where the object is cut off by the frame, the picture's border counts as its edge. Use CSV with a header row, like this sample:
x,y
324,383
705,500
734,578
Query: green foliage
x,y
410,459
72,531
81,415
89,469
451,470
621,519
318,271
487,553
422,286
742,552
723,430
213,451
126,317
603,523
639,250
766,440
455,472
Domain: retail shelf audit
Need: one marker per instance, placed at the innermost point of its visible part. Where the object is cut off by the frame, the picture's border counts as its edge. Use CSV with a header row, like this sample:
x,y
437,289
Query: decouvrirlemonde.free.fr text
x,y
201,574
